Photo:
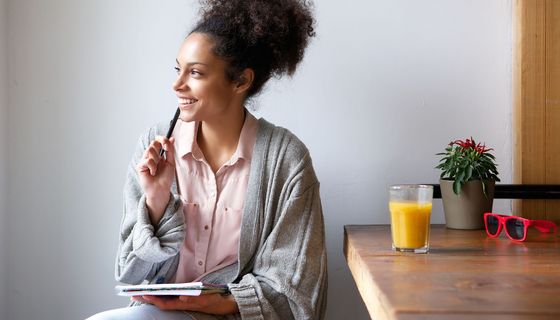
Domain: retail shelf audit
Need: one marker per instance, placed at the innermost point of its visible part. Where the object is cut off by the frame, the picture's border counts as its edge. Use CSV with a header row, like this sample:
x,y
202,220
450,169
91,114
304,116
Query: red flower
x,y
470,144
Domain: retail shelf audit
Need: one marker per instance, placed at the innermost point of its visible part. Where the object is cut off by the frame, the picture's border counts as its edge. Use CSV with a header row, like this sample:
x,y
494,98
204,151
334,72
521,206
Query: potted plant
x,y
467,183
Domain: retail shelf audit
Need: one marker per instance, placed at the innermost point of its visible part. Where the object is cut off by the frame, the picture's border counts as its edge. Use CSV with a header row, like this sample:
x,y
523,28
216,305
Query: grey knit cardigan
x,y
281,271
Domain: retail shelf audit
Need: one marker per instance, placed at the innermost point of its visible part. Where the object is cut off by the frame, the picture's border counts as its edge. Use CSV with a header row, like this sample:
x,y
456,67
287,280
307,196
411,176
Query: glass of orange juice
x,y
410,206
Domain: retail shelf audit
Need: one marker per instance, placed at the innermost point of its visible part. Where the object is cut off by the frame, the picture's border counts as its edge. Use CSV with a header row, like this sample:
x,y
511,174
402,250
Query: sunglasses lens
x,y
515,228
492,224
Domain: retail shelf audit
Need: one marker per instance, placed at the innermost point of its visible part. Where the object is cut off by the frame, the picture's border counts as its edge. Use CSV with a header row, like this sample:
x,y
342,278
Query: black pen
x,y
170,131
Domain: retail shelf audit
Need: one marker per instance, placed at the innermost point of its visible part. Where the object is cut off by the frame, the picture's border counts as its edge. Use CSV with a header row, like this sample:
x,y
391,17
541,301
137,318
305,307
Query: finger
x,y
151,300
142,167
187,299
151,165
168,146
138,299
163,303
170,149
195,303
146,165
157,144
151,158
153,151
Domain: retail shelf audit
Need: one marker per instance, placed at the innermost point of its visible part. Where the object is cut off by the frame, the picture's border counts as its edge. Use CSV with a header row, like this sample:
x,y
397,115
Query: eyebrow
x,y
191,63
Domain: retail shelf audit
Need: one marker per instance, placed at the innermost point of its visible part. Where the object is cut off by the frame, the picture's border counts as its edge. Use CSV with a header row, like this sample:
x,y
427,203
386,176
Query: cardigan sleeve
x,y
144,248
289,277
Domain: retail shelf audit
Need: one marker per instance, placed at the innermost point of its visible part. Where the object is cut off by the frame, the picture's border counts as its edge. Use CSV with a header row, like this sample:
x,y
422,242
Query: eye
x,y
195,72
177,69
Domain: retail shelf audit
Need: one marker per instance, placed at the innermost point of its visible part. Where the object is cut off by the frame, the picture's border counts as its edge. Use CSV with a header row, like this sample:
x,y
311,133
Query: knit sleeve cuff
x,y
158,244
247,301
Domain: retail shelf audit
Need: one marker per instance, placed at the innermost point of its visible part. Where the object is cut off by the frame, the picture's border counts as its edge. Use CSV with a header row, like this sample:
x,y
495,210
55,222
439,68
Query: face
x,y
203,90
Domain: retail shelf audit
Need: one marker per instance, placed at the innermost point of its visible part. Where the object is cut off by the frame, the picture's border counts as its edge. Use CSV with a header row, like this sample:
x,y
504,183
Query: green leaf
x,y
457,187
460,176
468,174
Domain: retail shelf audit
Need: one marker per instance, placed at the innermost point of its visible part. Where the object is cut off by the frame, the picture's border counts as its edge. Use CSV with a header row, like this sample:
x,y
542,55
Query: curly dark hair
x,y
268,36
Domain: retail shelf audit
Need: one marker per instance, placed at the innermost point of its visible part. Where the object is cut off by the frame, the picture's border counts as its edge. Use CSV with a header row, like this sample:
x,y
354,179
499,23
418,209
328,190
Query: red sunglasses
x,y
516,227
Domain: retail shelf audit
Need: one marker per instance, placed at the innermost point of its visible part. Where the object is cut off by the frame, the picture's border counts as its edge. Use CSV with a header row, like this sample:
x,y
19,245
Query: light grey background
x,y
384,86
3,155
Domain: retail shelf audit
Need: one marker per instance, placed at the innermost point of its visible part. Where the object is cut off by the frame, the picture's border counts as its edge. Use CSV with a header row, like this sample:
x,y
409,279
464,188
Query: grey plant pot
x,y
466,210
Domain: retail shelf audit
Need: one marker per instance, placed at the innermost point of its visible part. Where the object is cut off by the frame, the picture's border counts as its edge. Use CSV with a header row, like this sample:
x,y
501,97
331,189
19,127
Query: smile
x,y
187,101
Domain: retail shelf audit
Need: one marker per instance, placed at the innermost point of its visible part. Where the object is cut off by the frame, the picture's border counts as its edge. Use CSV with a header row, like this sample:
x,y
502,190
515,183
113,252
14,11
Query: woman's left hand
x,y
214,303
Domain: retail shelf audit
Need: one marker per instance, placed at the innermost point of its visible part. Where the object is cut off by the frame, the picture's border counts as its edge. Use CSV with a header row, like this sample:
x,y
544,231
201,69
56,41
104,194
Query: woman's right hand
x,y
156,176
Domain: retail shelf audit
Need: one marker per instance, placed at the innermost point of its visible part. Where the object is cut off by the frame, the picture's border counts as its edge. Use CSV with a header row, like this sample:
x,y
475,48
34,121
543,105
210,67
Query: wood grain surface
x,y
466,275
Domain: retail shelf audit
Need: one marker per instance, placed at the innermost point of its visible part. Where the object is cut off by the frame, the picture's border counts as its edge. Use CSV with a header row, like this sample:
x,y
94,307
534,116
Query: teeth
x,y
187,101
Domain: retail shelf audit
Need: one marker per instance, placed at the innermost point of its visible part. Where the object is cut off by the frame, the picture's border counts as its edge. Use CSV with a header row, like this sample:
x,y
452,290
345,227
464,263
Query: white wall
x,y
3,155
385,86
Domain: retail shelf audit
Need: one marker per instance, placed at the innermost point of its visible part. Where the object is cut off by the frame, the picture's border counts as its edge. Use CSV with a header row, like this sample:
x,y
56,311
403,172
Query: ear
x,y
245,81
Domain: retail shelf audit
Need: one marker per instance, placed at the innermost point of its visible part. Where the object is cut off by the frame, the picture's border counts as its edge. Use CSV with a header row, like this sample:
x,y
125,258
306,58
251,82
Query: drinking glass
x,y
410,206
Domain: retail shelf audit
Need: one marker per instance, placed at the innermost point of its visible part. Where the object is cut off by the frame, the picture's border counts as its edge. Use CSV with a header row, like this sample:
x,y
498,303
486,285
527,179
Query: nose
x,y
179,84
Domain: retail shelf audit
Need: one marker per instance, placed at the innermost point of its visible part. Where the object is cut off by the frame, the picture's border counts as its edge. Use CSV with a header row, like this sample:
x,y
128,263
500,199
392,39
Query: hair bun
x,y
269,36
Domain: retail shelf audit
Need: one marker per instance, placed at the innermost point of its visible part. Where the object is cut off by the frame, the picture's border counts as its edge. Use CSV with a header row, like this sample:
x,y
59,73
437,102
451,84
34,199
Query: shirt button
x,y
200,263
205,227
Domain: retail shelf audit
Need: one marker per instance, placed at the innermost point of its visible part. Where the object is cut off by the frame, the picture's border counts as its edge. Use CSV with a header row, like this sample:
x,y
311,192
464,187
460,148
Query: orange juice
x,y
410,223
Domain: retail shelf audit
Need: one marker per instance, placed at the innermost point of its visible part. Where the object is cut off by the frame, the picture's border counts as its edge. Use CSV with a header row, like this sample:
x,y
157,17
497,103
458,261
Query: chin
x,y
186,116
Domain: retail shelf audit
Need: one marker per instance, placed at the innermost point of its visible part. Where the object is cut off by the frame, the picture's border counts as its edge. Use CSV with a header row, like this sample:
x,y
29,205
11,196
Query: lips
x,y
187,100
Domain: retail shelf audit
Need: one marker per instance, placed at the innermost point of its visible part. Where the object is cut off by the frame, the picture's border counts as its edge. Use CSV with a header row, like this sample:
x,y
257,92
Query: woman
x,y
235,200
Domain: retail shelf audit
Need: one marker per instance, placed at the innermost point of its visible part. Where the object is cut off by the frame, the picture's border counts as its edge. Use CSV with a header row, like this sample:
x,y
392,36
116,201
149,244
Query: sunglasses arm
x,y
544,225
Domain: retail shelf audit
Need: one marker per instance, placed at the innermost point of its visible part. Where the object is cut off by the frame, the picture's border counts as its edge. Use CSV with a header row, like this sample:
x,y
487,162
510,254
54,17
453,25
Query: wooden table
x,y
466,275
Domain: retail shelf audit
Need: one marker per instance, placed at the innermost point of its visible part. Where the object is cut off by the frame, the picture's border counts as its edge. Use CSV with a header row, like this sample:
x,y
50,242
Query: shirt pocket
x,y
191,212
228,218
226,232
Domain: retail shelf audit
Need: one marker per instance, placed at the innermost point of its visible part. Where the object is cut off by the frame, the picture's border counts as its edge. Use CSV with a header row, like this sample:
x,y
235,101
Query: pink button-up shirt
x,y
212,203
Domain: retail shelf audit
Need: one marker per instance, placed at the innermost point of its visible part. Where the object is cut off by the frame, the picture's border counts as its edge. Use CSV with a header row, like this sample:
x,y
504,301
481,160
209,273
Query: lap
x,y
141,312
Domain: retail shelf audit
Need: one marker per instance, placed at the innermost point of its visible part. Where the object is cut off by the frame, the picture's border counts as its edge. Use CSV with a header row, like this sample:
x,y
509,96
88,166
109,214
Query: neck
x,y
218,137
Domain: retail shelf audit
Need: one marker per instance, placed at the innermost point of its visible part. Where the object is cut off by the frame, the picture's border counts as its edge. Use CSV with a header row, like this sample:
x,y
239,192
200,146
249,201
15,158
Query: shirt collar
x,y
185,139
246,138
